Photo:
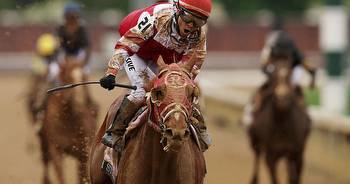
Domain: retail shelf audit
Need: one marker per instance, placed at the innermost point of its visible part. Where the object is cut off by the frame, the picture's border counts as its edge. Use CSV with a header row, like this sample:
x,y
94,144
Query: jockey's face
x,y
71,21
189,23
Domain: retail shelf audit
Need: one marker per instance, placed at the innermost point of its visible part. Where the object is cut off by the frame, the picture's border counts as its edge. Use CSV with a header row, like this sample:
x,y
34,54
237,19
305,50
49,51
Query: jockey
x,y
73,36
171,30
278,41
46,63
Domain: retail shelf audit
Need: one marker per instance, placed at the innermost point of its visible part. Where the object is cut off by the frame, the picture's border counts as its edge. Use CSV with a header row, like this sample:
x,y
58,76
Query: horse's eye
x,y
158,94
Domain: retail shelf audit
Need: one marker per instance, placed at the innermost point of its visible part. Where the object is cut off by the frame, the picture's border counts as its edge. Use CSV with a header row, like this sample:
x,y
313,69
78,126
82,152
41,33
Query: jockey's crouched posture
x,y
276,42
171,30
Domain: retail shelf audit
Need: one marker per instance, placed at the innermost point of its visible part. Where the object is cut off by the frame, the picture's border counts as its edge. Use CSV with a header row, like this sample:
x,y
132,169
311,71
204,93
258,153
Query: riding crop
x,y
84,83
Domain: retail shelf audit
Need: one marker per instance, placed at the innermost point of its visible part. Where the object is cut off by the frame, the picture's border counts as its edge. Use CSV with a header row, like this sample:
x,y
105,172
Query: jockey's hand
x,y
108,82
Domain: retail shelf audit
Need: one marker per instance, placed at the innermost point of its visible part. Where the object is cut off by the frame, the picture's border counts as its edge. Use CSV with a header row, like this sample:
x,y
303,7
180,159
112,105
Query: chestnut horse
x,y
69,124
160,150
281,127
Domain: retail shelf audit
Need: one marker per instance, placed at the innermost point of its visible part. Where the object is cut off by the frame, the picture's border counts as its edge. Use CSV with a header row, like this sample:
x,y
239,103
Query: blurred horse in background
x,y
69,124
281,126
159,147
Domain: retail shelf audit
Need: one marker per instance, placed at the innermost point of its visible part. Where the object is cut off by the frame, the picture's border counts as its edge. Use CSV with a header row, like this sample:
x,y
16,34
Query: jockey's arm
x,y
130,43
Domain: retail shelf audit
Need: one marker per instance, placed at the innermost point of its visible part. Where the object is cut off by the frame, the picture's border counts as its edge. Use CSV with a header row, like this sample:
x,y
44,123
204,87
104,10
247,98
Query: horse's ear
x,y
160,62
148,86
189,64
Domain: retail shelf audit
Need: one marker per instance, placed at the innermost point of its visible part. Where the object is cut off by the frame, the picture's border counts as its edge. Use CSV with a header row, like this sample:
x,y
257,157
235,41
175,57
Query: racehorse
x,y
161,149
69,124
281,127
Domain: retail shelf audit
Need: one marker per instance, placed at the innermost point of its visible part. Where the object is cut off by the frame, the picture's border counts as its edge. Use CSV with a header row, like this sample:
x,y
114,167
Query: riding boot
x,y
204,138
114,135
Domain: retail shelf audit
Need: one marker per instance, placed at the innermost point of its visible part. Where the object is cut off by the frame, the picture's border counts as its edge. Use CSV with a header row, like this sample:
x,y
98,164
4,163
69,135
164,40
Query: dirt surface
x,y
229,160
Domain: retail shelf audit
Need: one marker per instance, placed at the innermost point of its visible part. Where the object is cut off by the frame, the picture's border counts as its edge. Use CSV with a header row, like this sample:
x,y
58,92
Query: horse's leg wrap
x,y
114,134
204,138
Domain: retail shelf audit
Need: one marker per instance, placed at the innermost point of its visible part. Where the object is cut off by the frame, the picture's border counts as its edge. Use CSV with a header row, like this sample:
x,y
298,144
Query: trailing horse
x,y
69,124
160,143
281,125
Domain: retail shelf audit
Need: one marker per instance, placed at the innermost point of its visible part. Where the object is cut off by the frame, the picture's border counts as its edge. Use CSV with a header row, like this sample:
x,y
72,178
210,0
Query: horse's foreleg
x,y
271,161
57,163
45,157
255,178
295,166
45,160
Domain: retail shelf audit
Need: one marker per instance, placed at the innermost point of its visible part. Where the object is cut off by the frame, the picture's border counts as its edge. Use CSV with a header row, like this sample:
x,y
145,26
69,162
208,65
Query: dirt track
x,y
229,160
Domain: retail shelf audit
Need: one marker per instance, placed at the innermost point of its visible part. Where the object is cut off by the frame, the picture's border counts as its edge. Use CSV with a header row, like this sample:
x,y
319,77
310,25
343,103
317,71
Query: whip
x,y
85,83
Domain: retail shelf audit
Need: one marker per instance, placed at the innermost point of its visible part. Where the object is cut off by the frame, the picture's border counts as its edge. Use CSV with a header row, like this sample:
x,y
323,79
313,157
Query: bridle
x,y
162,112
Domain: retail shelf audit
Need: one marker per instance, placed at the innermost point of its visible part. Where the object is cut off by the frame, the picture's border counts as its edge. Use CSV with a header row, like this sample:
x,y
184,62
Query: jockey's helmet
x,y
46,45
198,8
71,9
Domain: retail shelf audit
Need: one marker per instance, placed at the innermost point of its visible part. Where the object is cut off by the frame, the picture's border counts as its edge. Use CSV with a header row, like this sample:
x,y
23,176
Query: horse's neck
x,y
284,114
159,166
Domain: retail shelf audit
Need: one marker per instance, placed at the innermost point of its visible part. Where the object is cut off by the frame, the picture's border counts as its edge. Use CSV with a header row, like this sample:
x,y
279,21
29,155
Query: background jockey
x,y
280,39
277,41
45,64
171,30
73,36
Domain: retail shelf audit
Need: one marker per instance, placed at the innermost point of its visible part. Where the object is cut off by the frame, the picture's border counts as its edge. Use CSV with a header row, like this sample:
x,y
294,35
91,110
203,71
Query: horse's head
x,y
71,71
172,96
283,90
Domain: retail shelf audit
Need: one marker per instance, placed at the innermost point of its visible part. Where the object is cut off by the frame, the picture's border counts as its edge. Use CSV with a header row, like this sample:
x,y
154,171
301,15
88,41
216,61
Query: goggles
x,y
71,16
190,18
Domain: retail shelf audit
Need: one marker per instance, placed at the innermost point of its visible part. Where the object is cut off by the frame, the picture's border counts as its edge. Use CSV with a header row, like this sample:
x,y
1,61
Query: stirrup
x,y
107,168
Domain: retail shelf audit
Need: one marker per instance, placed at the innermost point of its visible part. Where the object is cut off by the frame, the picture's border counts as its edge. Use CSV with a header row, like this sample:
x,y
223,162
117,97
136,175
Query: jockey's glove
x,y
108,81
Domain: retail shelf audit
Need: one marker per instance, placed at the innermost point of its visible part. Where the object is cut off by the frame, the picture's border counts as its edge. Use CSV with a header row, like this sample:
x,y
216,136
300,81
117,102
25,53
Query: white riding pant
x,y
54,69
297,74
139,73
